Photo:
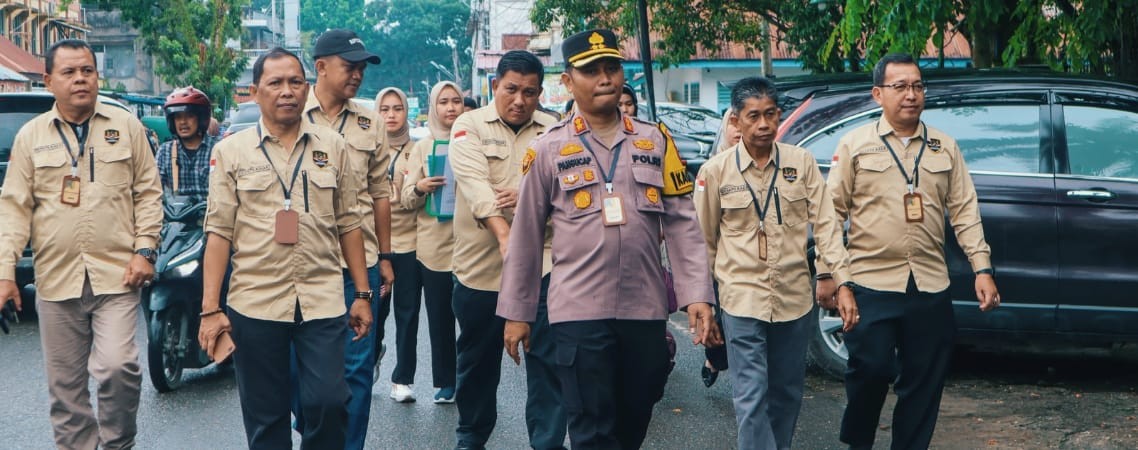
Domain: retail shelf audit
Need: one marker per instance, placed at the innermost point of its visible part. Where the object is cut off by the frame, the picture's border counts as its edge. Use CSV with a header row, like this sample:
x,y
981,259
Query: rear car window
x,y
246,113
1101,142
14,113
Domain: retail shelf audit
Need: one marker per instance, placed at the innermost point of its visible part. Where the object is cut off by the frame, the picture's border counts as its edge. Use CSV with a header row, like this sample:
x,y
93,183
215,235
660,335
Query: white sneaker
x,y
402,393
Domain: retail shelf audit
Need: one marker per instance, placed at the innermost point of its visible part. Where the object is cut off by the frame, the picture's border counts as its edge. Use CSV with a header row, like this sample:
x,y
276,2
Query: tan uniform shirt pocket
x,y
254,198
113,165
739,214
320,193
935,173
792,201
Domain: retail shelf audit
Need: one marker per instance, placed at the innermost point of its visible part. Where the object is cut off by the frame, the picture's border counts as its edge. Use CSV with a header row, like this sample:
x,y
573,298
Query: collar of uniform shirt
x,y
305,129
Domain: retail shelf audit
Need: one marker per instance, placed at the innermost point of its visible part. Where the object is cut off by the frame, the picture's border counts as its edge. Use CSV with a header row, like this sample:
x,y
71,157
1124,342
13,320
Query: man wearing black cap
x,y
340,62
602,182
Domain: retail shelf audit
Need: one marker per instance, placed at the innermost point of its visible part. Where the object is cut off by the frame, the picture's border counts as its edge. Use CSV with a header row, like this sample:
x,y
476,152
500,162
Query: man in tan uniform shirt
x,y
754,202
487,152
340,62
285,198
82,184
896,180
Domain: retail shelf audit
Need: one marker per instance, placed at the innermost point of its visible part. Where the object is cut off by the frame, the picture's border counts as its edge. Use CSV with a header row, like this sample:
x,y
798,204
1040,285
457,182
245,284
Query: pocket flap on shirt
x,y
112,153
322,179
938,163
54,158
875,162
497,151
738,200
255,182
651,176
361,143
793,192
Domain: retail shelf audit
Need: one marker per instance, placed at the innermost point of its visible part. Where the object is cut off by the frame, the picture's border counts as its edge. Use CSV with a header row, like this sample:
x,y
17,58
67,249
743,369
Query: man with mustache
x,y
599,178
82,185
183,163
340,62
488,150
285,198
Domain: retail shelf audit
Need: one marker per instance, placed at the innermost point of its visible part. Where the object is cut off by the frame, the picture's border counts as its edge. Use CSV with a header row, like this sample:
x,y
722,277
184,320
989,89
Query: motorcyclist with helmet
x,y
183,162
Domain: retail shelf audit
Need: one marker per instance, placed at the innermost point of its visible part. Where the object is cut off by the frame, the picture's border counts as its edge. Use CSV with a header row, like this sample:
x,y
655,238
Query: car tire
x,y
826,350
166,347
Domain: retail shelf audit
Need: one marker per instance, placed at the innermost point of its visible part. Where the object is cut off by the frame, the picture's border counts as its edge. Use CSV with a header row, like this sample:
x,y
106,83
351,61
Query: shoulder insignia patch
x,y
363,122
579,125
571,149
700,185
934,145
527,160
644,144
459,136
628,125
111,136
789,174
319,158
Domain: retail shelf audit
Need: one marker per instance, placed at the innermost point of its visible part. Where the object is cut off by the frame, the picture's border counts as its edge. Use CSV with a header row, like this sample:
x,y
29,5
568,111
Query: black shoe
x,y
709,375
462,445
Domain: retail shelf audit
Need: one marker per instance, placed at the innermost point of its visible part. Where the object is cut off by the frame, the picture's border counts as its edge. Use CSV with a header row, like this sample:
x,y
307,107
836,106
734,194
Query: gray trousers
x,y
92,336
768,369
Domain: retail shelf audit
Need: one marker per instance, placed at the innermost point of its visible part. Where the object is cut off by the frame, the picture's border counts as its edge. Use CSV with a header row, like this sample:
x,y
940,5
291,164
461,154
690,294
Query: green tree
x,y
188,39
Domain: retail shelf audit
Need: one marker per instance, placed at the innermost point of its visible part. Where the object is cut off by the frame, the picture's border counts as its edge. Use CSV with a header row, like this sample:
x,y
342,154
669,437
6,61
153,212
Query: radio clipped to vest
x,y
677,180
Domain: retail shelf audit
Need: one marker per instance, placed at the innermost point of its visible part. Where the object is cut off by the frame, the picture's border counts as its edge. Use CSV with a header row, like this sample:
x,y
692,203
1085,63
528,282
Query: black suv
x,y
1055,162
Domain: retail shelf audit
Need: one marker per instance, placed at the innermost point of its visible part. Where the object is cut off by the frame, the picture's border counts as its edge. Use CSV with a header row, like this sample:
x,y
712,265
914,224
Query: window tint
x,y
246,114
1002,138
1101,142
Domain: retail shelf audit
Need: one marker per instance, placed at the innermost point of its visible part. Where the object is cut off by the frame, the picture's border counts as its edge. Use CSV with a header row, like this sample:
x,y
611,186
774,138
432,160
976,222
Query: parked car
x,y
1055,165
693,129
248,113
16,109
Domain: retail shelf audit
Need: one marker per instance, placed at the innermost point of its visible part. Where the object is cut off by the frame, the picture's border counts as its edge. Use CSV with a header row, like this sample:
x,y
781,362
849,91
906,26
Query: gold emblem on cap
x,y
644,144
597,41
582,199
652,194
570,149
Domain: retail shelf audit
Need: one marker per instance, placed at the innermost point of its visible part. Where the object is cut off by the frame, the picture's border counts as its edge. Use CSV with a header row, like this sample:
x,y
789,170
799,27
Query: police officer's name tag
x,y
70,193
914,207
287,227
612,210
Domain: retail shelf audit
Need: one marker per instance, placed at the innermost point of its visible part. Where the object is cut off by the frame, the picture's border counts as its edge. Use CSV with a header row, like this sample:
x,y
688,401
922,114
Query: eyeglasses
x,y
901,88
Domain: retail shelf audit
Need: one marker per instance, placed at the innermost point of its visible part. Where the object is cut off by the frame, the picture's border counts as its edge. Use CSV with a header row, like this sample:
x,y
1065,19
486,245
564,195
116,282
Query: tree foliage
x,y
407,35
1096,36
188,39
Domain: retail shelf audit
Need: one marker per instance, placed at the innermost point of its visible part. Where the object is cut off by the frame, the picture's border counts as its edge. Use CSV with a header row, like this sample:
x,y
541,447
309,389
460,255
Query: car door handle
x,y
1091,195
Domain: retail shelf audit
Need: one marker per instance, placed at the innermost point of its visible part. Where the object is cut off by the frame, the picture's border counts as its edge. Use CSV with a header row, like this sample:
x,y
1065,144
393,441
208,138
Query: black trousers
x,y
907,337
438,289
612,373
261,364
405,300
480,350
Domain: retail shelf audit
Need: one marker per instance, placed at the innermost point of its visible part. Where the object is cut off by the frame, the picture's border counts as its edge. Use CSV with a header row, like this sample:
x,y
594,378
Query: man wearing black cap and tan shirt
x,y
340,62
602,181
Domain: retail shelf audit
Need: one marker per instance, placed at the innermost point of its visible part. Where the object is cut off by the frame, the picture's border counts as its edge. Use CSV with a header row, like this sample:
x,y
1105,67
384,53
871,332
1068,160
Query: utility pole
x,y
646,57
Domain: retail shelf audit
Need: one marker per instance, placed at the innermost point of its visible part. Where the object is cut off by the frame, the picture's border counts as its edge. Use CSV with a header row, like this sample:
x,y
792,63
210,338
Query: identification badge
x,y
394,193
287,227
70,193
762,244
612,210
914,207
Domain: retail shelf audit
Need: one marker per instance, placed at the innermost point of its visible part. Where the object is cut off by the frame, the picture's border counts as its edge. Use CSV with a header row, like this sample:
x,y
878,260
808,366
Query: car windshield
x,y
693,121
14,113
246,113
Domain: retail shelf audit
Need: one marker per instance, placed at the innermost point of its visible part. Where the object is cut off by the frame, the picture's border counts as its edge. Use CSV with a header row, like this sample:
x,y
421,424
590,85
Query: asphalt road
x,y
205,413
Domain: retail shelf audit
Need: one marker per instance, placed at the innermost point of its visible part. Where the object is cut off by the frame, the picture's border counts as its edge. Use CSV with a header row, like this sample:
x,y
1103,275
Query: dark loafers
x,y
709,375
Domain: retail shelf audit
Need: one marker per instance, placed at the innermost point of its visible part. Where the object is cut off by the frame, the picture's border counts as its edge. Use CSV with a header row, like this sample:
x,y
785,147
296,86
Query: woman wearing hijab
x,y
392,106
728,135
435,238
627,103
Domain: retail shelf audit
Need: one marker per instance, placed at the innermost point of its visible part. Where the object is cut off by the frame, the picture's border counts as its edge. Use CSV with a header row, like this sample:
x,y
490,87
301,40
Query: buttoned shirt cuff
x,y
145,242
820,266
693,294
485,209
981,261
517,311
8,272
841,276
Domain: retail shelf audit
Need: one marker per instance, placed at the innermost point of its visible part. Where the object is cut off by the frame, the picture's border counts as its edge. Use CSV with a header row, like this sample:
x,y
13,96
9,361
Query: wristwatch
x,y
386,256
848,284
363,295
147,253
988,271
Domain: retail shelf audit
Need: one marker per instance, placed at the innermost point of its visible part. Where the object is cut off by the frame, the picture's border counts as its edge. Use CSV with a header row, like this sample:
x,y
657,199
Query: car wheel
x,y
827,348
169,334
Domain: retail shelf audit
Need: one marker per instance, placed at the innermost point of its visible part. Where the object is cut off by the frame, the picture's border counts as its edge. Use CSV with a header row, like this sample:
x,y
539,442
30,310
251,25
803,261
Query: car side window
x,y
1101,142
823,144
995,138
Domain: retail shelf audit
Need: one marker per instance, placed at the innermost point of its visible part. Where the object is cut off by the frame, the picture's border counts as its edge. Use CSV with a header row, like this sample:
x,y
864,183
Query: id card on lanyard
x,y
612,204
912,203
286,229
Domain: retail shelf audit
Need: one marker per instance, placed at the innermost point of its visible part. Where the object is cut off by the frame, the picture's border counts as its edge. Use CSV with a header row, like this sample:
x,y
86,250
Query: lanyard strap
x,y
770,189
915,181
394,159
67,145
295,170
342,121
607,176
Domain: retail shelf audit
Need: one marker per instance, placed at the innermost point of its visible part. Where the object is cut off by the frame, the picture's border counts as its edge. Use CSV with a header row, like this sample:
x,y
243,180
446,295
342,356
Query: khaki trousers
x,y
92,334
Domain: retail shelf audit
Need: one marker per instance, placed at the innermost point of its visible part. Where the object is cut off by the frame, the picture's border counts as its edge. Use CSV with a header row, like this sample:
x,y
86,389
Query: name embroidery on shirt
x,y
254,169
575,162
731,189
647,159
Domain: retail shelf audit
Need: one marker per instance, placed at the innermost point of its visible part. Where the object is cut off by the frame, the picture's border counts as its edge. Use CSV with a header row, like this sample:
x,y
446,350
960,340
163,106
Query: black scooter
x,y
174,300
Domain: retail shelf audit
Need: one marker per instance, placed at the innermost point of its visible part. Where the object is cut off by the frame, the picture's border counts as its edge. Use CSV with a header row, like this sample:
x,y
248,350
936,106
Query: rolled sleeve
x,y
518,297
687,252
471,169
16,205
378,184
221,209
147,192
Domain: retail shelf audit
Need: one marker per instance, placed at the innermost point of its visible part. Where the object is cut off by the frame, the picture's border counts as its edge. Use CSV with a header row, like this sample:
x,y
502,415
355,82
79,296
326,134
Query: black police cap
x,y
587,46
345,44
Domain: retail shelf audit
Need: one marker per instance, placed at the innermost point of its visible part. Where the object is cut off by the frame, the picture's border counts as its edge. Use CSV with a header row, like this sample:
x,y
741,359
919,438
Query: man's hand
x,y
516,332
701,324
139,271
986,292
387,275
9,291
359,318
430,184
506,198
847,307
824,291
211,327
